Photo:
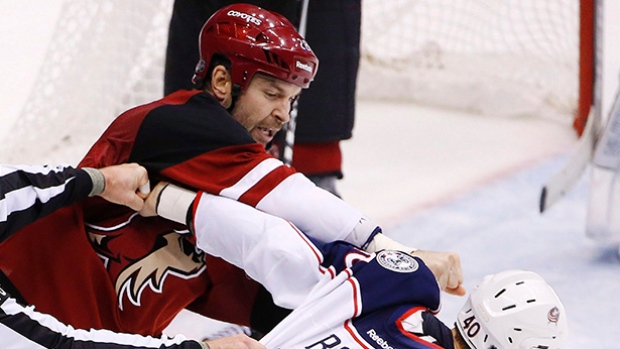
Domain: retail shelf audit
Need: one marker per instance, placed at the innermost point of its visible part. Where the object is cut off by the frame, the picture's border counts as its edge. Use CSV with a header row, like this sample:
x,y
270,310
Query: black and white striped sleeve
x,y
23,327
28,193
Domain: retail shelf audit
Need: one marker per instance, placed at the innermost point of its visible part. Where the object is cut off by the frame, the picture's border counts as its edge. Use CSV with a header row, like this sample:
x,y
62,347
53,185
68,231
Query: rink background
x,y
434,179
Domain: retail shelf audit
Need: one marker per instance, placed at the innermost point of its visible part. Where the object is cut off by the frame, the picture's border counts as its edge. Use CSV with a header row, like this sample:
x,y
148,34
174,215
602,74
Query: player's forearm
x,y
320,215
445,265
269,249
316,212
325,217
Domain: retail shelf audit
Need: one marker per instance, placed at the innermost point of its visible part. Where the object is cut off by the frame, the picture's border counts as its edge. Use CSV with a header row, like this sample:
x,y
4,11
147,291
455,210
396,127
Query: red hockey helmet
x,y
255,40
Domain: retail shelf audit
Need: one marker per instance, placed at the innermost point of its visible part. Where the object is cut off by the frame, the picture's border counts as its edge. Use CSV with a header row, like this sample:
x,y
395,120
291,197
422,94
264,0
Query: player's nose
x,y
282,113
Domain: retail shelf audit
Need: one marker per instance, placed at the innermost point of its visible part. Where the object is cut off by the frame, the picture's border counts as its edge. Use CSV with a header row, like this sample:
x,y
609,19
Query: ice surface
x,y
498,227
434,179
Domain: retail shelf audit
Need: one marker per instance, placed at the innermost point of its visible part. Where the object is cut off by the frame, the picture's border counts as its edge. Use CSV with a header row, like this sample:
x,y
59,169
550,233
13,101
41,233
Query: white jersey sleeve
x,y
271,250
341,295
320,214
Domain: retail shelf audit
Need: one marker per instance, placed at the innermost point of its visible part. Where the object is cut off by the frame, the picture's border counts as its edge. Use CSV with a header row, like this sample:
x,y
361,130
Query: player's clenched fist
x,y
239,341
446,266
125,184
151,202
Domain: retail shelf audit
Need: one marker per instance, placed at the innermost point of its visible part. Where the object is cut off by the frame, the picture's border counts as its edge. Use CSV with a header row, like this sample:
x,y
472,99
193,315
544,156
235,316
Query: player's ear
x,y
221,85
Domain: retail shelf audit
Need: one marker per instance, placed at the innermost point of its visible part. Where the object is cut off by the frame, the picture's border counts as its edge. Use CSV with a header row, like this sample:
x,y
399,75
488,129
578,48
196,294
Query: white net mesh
x,y
494,57
104,57
505,58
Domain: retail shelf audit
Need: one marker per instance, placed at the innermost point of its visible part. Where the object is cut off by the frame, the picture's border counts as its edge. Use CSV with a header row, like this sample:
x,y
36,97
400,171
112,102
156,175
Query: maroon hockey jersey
x,y
102,266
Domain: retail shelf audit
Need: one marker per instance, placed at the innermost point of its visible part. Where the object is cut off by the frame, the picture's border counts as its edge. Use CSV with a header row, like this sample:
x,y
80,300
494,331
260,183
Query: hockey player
x,y
133,274
347,298
391,306
28,193
324,118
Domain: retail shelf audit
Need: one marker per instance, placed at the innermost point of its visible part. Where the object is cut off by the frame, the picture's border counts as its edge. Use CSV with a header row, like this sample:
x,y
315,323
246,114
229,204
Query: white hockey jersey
x,y
342,297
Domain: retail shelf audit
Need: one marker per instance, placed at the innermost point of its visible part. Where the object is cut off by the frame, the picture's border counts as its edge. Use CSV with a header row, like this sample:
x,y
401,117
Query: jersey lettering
x,y
328,342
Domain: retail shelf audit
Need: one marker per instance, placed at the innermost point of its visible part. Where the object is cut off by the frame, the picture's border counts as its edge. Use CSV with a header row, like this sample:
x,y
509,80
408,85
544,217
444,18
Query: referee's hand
x,y
239,341
126,184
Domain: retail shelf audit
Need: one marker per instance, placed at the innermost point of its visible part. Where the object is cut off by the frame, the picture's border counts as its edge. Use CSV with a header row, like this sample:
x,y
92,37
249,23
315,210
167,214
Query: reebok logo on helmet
x,y
303,66
247,17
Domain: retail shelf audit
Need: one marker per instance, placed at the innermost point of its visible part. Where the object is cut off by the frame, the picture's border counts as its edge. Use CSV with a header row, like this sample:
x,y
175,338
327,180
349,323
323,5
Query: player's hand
x,y
150,204
446,266
239,341
126,184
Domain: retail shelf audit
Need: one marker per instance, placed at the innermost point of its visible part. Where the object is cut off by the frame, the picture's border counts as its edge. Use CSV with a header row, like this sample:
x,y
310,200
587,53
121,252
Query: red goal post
x,y
587,62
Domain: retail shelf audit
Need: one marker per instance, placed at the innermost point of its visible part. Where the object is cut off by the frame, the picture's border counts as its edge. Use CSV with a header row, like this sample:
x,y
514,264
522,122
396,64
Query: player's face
x,y
264,106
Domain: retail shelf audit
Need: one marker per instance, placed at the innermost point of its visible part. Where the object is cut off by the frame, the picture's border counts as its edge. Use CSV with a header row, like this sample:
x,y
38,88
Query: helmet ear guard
x,y
255,40
514,309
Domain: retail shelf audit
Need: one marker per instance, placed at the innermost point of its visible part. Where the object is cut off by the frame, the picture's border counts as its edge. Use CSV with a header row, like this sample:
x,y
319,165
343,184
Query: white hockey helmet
x,y
514,309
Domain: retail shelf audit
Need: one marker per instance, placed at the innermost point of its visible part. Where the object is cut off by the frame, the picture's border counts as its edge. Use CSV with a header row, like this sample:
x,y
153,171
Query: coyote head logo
x,y
152,270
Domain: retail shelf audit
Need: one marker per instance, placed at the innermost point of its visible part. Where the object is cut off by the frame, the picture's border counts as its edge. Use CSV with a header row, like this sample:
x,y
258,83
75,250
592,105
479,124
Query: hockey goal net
x,y
500,58
504,58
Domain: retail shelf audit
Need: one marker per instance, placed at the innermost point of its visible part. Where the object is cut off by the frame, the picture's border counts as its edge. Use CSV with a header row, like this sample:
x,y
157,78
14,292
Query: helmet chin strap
x,y
235,92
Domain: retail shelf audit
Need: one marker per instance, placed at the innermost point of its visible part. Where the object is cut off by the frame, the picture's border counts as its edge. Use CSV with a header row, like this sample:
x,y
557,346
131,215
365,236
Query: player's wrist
x,y
382,242
174,203
98,180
